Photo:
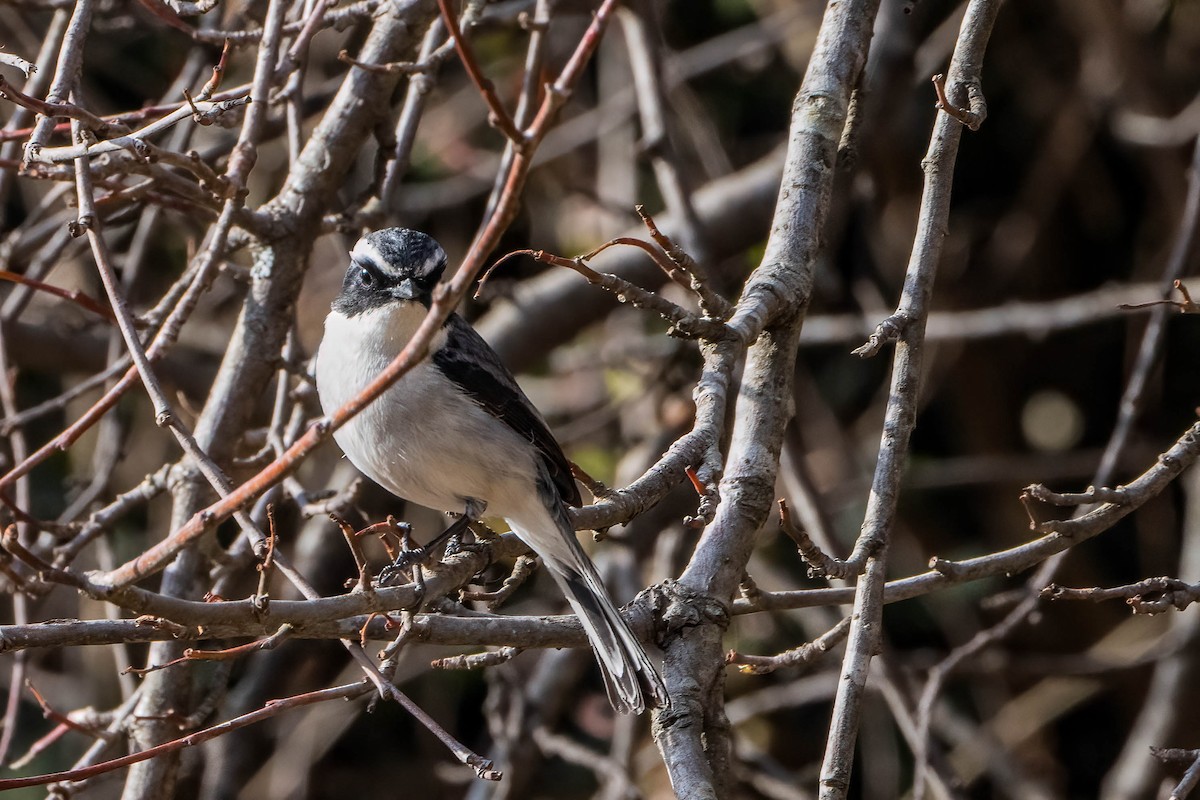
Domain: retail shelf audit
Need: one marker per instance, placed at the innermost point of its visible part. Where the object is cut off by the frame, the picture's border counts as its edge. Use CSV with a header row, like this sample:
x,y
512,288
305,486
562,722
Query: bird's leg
x,y
454,534
472,511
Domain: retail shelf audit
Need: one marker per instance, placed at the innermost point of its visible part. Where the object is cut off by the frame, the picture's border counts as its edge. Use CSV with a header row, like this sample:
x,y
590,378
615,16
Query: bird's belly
x,y
427,442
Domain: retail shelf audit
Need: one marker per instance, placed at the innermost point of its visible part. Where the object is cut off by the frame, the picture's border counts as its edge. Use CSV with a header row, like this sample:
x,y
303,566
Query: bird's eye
x,y
365,277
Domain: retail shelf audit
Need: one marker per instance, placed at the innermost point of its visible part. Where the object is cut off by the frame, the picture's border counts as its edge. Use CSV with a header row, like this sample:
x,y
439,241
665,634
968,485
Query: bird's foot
x,y
403,563
456,545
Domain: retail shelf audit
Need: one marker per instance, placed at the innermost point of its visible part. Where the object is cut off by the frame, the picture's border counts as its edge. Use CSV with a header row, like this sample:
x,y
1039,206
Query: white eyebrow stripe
x,y
431,263
367,252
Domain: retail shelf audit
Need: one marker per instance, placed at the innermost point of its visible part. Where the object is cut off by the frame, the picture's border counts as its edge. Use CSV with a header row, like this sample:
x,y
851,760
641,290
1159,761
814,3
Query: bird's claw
x,y
403,563
457,545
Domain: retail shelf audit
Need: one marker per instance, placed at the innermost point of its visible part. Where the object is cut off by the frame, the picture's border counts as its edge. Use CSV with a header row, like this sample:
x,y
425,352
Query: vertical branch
x,y
535,57
420,84
1161,711
498,115
1183,251
1162,716
34,86
66,73
693,735
168,690
646,65
900,416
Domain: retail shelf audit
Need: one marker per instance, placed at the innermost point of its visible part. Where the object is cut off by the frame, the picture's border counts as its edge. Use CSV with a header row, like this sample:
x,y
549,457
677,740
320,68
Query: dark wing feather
x,y
469,362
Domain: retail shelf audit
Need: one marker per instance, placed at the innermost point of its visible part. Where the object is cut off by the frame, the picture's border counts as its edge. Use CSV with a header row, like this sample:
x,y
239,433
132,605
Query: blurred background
x,y
1066,204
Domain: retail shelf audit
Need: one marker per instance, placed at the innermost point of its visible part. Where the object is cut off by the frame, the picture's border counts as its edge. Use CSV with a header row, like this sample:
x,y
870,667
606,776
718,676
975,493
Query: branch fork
x,y
973,116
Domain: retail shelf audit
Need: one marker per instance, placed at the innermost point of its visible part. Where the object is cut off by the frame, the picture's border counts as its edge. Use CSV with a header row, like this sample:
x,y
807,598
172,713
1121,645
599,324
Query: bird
x,y
456,434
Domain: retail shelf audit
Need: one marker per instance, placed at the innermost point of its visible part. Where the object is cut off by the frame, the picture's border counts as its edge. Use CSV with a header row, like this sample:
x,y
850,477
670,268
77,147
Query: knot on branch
x,y
950,569
890,330
684,712
679,607
707,486
79,227
976,111
180,474
161,624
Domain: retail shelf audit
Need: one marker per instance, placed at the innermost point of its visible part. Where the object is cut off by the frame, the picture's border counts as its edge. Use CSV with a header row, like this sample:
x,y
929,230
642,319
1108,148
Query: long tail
x,y
629,675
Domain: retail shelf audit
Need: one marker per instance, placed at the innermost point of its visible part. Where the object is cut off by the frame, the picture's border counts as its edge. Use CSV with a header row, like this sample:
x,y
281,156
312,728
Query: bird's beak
x,y
405,290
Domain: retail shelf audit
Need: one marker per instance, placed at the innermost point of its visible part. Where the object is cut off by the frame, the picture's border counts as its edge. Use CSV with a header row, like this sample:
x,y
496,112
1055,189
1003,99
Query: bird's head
x,y
394,265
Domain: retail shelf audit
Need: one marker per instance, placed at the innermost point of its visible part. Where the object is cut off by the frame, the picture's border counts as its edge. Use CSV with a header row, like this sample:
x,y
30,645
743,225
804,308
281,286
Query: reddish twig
x,y
262,596
206,91
192,654
687,272
389,624
683,322
973,117
50,713
594,485
46,572
498,115
400,531
39,746
79,298
60,110
270,709
351,536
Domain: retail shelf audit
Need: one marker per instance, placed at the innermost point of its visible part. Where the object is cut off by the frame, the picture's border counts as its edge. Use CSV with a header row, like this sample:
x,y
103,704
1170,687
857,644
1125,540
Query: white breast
x,y
423,439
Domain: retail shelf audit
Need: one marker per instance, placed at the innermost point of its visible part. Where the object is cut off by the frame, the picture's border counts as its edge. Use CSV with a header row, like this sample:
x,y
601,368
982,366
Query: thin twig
x,y
55,110
684,322
1149,596
190,654
802,656
76,296
522,570
1185,306
870,550
498,115
820,564
972,117
272,708
477,660
351,537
